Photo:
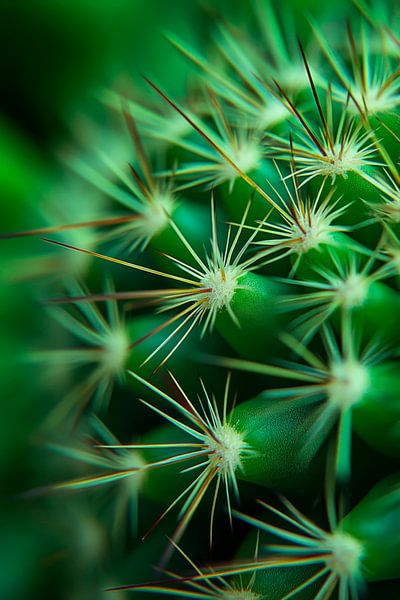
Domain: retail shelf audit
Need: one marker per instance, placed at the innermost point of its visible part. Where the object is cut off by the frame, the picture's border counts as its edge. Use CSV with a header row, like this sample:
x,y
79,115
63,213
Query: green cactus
x,y
246,341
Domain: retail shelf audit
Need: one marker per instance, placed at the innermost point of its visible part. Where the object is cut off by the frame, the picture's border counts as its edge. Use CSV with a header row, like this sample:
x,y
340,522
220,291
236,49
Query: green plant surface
x,y
199,267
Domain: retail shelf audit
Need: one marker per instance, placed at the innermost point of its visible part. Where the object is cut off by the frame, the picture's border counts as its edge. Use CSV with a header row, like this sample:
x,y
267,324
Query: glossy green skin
x,y
277,434
379,313
376,418
380,308
383,122
351,189
273,583
376,317
354,188
375,522
259,313
340,245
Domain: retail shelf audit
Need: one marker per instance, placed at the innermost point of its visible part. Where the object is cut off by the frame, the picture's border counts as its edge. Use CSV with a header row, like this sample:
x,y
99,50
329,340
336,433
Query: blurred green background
x,y
54,57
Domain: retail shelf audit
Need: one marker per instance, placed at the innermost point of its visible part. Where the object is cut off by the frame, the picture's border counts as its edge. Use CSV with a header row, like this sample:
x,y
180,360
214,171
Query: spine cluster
x,y
232,317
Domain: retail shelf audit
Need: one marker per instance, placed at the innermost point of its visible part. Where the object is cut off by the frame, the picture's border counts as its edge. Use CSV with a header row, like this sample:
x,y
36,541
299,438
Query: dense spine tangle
x,y
251,225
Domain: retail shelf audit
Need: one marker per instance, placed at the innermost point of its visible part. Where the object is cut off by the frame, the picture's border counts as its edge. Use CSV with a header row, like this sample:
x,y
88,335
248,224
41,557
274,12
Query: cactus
x,y
268,363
